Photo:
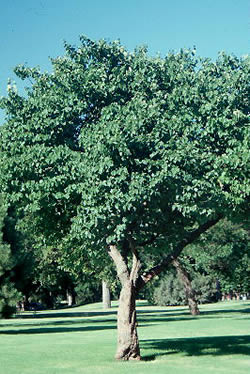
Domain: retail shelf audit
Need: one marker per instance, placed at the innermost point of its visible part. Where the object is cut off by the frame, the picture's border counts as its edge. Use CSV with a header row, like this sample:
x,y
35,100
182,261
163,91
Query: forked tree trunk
x,y
189,291
127,338
128,343
106,300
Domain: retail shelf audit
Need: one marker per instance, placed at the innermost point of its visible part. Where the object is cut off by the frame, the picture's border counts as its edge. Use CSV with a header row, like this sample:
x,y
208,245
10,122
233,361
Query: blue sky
x,y
33,30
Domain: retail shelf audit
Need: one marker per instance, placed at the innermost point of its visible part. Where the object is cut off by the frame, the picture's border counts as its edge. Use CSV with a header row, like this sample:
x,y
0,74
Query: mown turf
x,y
82,340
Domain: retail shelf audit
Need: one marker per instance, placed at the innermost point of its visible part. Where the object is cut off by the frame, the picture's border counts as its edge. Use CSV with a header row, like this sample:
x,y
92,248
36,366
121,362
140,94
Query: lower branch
x,y
190,238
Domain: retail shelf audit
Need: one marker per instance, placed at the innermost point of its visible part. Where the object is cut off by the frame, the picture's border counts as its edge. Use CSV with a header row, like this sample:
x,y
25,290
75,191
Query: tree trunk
x,y
23,304
128,343
106,300
127,339
70,296
189,291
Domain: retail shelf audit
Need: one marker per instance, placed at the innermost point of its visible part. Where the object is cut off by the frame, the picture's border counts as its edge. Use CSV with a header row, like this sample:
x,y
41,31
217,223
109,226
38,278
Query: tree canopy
x,y
122,151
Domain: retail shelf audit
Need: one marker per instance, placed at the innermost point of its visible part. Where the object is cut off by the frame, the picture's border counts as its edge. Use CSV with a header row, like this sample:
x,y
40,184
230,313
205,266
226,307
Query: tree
x,y
170,290
187,284
223,254
128,154
8,293
217,263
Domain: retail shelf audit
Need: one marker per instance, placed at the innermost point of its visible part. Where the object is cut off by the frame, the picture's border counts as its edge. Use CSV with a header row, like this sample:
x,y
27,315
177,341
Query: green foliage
x,y
170,290
88,291
217,263
9,297
223,253
205,289
114,144
6,262
8,293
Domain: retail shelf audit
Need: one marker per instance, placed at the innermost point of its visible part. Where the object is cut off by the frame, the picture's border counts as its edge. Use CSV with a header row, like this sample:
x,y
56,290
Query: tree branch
x,y
120,263
190,238
136,262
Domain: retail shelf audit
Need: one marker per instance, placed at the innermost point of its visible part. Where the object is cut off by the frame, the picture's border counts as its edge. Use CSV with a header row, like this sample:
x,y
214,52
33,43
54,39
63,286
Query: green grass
x,y
82,340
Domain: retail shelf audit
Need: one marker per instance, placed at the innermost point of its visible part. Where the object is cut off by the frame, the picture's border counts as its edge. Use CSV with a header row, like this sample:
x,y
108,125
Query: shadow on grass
x,y
214,345
183,311
184,314
59,314
40,323
55,330
69,314
226,311
145,317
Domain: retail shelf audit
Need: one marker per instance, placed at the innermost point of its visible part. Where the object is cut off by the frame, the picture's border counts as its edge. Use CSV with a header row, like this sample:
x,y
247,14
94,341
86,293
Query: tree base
x,y
119,357
195,312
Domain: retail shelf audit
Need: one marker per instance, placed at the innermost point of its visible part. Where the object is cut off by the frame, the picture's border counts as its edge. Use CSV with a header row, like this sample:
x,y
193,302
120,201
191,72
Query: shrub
x,y
170,290
88,292
9,297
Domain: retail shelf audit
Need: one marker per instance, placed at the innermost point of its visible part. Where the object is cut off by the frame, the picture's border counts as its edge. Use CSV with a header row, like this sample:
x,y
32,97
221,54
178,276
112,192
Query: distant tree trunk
x,y
189,291
24,303
127,341
70,293
106,299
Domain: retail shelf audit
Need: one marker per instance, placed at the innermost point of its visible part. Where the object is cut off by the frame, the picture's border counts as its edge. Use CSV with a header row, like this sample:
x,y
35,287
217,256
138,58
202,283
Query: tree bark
x,y
189,291
128,343
127,337
106,300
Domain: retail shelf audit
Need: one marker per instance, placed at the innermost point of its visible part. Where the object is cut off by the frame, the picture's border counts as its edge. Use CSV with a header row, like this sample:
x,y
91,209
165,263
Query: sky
x,y
31,31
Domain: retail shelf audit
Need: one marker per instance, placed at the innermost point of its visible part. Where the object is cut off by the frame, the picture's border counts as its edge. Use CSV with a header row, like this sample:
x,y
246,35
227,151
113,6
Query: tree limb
x,y
190,238
136,262
120,263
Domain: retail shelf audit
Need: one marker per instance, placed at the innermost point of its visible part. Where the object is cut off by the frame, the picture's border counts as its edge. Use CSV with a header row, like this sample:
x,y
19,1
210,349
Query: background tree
x,y
217,263
9,295
119,153
169,290
223,254
188,288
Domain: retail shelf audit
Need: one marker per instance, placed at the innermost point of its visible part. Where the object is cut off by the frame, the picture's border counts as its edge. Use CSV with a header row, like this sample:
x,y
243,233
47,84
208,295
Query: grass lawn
x,y
82,340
